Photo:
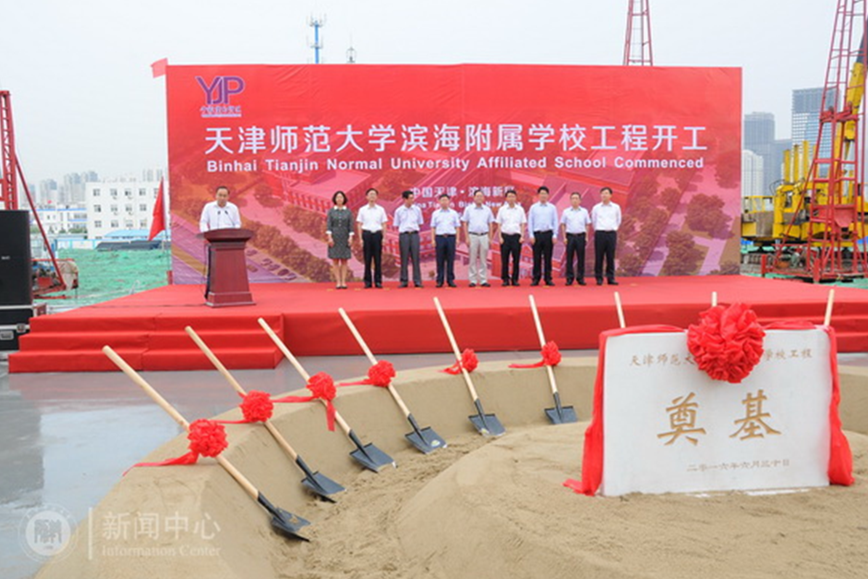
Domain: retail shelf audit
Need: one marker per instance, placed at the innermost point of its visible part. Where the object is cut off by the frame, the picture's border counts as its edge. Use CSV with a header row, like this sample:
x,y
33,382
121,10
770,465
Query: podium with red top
x,y
227,269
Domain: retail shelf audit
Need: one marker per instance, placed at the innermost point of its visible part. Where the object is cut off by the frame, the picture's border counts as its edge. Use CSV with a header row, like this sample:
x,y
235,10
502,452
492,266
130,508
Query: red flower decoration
x,y
551,355
257,406
322,386
469,362
381,374
207,438
727,343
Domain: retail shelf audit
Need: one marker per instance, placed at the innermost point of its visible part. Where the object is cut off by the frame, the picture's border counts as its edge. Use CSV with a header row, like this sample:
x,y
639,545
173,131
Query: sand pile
x,y
480,508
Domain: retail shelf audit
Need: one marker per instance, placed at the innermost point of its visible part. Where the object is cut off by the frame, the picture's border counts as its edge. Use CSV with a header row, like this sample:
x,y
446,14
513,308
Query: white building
x,y
752,166
114,205
57,220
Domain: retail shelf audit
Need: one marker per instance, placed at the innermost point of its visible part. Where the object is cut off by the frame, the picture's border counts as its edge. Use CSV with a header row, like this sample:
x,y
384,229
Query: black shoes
x,y
581,282
612,282
452,284
486,284
402,284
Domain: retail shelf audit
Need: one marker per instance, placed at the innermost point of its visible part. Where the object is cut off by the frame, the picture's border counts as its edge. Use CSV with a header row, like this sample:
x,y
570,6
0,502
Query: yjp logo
x,y
221,88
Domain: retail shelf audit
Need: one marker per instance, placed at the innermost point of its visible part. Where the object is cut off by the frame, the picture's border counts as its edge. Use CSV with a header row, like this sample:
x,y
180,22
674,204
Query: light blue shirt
x,y
408,218
445,222
542,218
478,219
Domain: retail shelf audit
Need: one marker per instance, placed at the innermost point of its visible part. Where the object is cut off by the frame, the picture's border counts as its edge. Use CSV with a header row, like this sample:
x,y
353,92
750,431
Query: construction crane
x,y
637,44
52,275
815,220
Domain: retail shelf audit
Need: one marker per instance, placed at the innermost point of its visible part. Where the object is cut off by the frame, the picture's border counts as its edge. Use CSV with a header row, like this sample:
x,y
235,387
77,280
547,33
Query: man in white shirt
x,y
575,222
408,222
444,226
478,227
542,225
511,219
605,219
369,226
220,213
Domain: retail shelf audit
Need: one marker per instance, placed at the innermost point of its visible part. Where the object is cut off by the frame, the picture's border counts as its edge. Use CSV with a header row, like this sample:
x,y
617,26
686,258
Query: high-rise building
x,y
806,118
759,138
752,174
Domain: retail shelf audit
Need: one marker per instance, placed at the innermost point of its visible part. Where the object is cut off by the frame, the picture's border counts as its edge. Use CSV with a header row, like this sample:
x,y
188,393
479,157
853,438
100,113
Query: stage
x,y
147,329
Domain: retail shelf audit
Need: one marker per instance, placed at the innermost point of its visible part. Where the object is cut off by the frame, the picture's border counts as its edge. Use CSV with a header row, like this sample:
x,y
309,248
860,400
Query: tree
x,y
670,198
704,214
684,256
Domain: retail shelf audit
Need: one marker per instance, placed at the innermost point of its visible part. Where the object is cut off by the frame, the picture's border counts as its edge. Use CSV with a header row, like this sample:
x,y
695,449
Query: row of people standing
x,y
480,227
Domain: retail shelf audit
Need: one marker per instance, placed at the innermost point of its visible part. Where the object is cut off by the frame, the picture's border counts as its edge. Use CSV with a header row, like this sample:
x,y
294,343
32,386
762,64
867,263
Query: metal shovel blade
x,y
486,424
562,414
426,440
318,483
372,458
369,456
321,485
283,521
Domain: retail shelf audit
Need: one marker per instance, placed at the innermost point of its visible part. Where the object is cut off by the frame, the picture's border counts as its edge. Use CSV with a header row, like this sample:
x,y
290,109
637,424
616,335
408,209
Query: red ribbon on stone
x,y
380,374
727,342
322,387
256,406
551,356
207,438
468,361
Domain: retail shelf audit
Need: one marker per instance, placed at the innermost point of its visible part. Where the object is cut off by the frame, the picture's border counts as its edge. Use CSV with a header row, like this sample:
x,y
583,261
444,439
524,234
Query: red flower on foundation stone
x,y
207,438
727,343
257,406
381,374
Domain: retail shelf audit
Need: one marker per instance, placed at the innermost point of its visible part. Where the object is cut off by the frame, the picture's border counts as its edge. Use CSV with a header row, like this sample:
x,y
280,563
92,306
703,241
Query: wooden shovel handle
x,y
372,359
298,367
279,343
278,437
542,343
454,344
620,309
171,411
215,361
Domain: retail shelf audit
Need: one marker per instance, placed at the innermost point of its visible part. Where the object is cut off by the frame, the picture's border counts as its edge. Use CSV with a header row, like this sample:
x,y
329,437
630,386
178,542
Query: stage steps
x,y
156,345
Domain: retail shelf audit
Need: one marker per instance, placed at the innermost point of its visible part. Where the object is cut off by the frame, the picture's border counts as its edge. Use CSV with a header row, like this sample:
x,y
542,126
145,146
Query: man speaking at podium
x,y
220,214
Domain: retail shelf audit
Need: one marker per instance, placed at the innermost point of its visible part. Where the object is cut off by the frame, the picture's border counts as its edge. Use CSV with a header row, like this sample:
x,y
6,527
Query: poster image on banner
x,y
285,138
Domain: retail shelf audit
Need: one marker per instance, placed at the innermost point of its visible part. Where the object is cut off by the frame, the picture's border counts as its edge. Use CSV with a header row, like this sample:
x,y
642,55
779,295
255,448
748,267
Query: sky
x,y
83,97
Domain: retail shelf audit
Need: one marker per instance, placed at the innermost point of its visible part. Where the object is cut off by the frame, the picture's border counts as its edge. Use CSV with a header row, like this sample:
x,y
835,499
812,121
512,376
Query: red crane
x,y
637,45
832,209
11,172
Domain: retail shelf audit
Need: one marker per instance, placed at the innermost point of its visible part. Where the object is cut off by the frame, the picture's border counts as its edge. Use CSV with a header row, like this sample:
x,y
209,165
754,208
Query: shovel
x,y
486,424
317,483
368,455
559,414
424,439
282,521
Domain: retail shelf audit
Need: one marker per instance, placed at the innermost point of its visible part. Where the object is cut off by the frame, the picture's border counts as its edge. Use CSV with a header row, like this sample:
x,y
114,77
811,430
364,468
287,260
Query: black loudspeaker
x,y
15,262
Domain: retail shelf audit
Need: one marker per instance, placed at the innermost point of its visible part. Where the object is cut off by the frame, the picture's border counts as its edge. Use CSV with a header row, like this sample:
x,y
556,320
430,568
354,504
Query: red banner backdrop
x,y
285,138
